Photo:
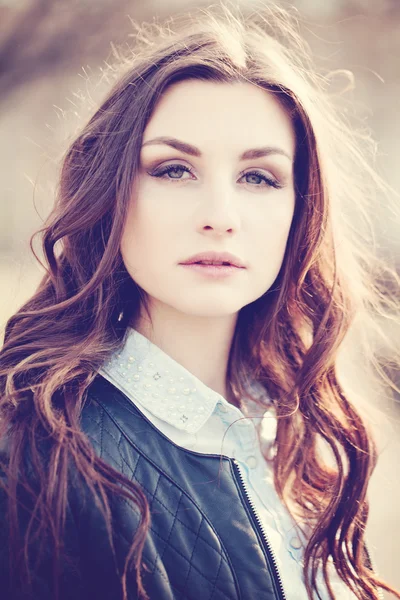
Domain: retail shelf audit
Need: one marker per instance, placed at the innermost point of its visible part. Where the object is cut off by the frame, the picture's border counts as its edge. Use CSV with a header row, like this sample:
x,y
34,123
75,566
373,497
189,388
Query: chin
x,y
214,309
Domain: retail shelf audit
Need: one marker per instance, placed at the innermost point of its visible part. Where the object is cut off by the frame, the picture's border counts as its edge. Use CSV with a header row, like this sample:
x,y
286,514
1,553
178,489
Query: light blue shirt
x,y
195,417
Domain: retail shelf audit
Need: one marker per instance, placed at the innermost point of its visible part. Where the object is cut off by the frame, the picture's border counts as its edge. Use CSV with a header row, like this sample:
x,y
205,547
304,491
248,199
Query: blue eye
x,y
171,169
270,181
177,168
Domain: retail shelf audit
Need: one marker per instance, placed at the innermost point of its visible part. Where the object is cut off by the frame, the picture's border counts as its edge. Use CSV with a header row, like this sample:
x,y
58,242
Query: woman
x,y
198,288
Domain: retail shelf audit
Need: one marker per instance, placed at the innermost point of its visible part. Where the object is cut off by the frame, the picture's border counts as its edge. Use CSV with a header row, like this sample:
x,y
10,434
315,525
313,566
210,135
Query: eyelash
x,y
163,171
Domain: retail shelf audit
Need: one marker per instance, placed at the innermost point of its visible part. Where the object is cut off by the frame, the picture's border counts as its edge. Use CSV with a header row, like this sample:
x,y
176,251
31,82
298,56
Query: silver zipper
x,y
269,548
270,552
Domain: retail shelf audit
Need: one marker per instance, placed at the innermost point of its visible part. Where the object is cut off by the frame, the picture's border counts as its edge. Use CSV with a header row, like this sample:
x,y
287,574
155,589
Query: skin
x,y
216,207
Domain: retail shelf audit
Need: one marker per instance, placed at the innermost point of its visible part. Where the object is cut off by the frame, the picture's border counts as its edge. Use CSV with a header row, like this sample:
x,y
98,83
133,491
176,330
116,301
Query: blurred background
x,y
53,55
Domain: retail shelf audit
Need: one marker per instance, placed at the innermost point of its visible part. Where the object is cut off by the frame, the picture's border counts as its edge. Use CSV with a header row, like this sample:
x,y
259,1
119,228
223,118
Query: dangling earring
x,y
120,316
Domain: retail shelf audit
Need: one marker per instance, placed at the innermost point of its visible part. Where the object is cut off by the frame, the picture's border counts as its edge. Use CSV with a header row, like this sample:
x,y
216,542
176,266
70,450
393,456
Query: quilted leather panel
x,y
183,554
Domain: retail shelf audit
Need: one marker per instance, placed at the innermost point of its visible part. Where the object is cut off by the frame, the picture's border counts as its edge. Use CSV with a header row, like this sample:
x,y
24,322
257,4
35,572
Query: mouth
x,y
216,259
213,269
212,264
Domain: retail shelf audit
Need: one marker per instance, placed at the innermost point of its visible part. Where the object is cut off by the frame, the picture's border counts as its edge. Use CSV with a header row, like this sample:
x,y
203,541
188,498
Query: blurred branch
x,y
44,36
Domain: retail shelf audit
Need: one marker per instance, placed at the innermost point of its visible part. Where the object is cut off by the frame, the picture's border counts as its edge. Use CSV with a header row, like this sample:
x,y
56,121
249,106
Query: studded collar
x,y
160,384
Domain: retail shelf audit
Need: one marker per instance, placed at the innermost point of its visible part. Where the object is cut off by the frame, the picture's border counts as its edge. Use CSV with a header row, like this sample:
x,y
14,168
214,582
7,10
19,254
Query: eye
x,y
257,175
176,170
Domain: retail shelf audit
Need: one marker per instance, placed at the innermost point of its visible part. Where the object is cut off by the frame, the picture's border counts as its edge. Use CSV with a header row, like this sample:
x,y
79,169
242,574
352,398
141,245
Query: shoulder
x,y
104,420
121,435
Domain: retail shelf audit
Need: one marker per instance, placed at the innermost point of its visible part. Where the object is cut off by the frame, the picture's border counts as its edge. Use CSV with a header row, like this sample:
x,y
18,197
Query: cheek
x,y
145,234
138,221
135,235
277,219
271,235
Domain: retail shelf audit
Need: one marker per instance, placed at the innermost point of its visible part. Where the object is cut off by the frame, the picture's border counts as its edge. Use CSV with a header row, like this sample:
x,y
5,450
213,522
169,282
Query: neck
x,y
200,344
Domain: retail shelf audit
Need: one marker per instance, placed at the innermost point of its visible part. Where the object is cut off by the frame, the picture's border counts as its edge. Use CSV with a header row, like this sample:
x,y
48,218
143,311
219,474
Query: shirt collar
x,y
160,384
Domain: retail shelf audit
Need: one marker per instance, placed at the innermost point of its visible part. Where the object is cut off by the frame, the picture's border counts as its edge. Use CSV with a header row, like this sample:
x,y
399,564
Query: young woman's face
x,y
214,201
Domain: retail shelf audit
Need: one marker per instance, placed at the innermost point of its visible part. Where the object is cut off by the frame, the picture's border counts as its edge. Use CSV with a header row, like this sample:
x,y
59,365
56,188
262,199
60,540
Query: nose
x,y
218,212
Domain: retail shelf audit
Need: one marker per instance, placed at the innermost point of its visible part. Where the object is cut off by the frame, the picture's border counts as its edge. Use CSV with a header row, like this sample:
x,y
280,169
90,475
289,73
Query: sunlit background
x,y
52,73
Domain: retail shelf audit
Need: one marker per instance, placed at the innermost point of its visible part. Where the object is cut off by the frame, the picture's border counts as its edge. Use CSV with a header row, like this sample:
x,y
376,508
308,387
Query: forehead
x,y
219,115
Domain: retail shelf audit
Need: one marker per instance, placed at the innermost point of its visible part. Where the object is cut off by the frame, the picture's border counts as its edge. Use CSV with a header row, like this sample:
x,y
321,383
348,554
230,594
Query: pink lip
x,y
208,256
213,271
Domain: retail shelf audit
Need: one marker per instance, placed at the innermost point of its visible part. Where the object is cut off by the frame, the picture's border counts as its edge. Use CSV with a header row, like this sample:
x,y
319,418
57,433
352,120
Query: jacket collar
x,y
160,384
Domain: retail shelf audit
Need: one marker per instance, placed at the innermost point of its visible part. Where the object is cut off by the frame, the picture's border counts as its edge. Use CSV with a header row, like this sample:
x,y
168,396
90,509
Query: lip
x,y
212,271
234,261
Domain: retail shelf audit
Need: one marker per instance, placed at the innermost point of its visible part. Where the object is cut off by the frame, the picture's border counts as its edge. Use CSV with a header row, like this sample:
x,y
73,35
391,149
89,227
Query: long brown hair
x,y
288,339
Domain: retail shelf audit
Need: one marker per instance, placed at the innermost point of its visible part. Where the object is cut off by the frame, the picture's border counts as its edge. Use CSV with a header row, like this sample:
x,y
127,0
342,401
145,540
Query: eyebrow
x,y
193,151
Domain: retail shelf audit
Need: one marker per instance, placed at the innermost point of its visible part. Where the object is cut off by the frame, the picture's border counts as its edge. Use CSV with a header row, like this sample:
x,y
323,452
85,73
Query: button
x,y
295,543
251,461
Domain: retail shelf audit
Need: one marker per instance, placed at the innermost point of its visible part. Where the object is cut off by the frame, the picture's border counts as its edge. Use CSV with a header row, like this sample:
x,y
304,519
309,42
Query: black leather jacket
x,y
204,542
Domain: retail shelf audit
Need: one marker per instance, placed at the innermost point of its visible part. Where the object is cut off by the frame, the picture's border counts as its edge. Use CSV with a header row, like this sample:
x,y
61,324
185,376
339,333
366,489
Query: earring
x,y
120,316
